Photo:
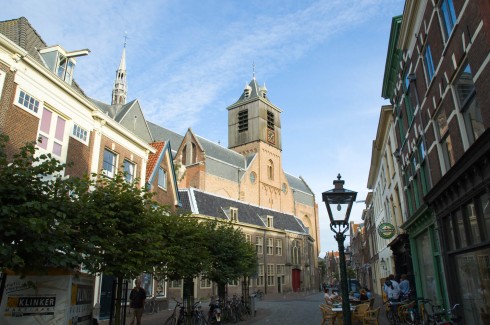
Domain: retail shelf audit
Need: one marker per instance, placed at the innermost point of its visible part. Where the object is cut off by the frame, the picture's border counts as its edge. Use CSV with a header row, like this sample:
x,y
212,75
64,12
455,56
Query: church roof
x,y
297,183
116,112
197,202
221,153
163,134
253,92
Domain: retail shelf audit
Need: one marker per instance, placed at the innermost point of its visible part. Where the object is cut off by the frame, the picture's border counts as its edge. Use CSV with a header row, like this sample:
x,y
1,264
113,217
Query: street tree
x,y
232,257
120,227
35,225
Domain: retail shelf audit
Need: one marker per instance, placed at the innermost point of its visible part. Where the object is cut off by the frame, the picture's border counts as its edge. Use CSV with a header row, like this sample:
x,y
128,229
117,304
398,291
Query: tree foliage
x,y
231,256
120,226
35,231
106,225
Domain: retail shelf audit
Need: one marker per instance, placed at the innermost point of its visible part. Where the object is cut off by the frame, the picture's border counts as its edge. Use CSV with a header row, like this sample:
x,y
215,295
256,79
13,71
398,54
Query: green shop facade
x,y
442,125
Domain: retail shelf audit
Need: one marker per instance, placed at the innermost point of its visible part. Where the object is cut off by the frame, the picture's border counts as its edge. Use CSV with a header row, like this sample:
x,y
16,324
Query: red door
x,y
296,280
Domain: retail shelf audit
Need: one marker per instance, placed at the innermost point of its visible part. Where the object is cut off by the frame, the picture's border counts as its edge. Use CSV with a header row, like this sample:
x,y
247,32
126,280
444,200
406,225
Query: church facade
x,y
244,183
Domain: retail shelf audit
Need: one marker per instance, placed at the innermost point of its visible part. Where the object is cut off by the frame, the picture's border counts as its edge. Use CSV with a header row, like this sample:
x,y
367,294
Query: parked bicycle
x,y
395,311
258,294
435,315
197,316
214,315
151,306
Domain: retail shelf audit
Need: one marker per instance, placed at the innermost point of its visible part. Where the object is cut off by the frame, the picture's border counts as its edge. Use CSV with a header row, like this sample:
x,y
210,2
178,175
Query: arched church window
x,y
270,170
184,155
295,256
194,153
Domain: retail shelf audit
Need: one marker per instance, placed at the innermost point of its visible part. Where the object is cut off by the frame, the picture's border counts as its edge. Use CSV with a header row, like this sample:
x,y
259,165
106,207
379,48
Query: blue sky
x,y
322,63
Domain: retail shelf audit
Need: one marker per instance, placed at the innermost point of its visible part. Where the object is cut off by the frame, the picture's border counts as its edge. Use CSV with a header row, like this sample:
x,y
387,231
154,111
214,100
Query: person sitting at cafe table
x,y
329,297
363,295
352,297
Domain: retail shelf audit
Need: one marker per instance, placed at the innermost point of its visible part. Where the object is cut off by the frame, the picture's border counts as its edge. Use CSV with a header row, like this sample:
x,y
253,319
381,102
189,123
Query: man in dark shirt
x,y
137,302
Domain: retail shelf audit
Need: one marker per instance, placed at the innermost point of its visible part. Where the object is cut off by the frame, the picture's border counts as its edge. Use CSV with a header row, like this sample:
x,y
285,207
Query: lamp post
x,y
339,204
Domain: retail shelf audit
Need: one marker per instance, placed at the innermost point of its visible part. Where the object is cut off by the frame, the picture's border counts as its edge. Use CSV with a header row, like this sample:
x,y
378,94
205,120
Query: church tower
x,y
254,130
120,91
253,119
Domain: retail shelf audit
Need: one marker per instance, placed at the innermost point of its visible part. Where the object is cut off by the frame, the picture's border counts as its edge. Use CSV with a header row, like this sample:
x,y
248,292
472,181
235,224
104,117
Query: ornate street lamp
x,y
339,204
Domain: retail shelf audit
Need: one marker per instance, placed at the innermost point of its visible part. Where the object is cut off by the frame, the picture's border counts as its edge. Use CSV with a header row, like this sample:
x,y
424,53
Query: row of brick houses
x,y
245,183
430,174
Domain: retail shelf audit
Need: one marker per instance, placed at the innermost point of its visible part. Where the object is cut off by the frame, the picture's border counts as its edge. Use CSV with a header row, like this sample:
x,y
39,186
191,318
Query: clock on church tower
x,y
271,136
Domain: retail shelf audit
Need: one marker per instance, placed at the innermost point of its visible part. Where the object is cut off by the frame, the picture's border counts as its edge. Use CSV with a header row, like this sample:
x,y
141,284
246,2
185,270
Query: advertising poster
x,y
47,299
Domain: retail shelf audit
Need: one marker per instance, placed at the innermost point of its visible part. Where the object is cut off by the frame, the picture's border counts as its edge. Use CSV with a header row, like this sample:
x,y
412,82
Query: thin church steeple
x,y
120,90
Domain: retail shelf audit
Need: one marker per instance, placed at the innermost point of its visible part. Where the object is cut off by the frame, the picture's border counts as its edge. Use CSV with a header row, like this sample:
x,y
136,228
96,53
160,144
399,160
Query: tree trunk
x,y
188,298
2,285
222,293
117,316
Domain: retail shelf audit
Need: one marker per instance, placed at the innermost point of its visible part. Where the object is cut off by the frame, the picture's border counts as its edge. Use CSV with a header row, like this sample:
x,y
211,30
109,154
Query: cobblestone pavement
x,y
281,309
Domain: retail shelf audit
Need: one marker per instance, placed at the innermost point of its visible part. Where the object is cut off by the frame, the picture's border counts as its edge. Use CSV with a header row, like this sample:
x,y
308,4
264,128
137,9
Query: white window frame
x,y
429,64
271,275
33,102
52,135
107,172
279,247
234,214
205,283
270,246
259,244
79,133
248,238
161,288
130,176
175,284
448,15
260,275
270,222
162,185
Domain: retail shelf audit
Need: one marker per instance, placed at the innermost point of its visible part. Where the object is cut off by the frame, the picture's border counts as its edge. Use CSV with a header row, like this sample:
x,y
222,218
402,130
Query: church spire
x,y
120,91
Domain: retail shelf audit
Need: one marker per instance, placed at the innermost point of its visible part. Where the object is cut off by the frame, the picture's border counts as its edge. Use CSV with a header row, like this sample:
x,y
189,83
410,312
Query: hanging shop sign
x,y
386,230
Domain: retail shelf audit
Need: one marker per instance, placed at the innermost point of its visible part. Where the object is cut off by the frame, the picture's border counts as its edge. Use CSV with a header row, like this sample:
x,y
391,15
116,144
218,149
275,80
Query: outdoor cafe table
x,y
337,309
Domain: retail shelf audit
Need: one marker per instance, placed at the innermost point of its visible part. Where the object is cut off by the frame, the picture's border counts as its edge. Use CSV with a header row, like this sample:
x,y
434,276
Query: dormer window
x,y
60,62
270,222
246,91
65,68
234,214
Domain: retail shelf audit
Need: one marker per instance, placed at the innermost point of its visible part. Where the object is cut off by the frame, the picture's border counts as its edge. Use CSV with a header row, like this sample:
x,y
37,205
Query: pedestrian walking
x,y
137,302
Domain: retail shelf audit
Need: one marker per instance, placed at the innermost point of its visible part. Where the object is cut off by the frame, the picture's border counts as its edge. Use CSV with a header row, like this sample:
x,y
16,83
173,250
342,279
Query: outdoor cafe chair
x,y
371,317
328,316
358,314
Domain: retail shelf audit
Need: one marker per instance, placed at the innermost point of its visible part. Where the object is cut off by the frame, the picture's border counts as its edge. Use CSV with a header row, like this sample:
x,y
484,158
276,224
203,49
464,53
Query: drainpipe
x,y
265,261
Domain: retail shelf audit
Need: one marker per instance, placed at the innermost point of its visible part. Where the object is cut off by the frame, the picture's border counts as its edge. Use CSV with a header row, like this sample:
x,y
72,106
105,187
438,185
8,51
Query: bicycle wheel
x,y
390,316
202,320
171,320
244,312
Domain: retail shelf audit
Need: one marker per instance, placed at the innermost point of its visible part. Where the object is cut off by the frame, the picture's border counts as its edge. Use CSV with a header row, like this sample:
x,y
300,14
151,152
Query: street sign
x,y
386,230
